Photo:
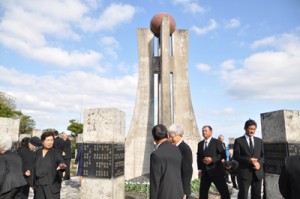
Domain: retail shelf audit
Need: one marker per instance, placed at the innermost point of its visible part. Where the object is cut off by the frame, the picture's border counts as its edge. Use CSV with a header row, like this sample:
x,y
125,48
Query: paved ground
x,y
71,190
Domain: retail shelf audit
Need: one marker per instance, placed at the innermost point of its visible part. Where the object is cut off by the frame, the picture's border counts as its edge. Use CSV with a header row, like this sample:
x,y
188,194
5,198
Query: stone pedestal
x,y
10,127
281,136
103,130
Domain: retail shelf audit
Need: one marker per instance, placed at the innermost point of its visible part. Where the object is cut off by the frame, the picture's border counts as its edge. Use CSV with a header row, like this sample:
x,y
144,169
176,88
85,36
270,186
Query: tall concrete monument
x,y
163,83
281,136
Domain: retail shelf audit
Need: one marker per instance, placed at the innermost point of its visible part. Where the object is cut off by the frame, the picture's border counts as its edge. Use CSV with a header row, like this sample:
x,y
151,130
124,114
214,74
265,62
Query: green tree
x,y
75,128
27,124
5,111
8,109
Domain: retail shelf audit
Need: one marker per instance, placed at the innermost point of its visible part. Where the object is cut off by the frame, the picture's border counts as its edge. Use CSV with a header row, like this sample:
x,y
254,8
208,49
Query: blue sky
x,y
59,57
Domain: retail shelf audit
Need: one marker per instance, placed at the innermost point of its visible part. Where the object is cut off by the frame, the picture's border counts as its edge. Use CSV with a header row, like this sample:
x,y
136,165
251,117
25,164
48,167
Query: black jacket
x,y
289,181
67,149
242,154
214,150
27,157
165,172
11,175
186,167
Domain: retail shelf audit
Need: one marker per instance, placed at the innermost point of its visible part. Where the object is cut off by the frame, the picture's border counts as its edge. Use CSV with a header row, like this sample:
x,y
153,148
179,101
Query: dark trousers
x,y
244,185
24,192
233,179
67,171
44,192
219,182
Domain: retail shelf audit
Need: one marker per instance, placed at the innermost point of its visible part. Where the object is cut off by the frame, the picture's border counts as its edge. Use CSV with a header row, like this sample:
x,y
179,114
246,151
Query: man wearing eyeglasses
x,y
175,134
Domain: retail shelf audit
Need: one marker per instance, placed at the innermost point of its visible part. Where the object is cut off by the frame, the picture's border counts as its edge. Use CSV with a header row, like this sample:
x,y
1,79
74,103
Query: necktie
x,y
251,145
205,145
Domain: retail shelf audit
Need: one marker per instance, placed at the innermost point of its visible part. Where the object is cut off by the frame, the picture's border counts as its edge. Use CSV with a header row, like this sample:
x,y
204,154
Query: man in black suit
x,y
67,155
211,169
175,134
289,181
165,167
59,143
249,152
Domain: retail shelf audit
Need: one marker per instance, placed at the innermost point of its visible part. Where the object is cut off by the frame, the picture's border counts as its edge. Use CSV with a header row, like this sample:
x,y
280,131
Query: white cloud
x,y
30,27
272,74
202,31
111,45
110,18
47,98
233,23
190,6
203,67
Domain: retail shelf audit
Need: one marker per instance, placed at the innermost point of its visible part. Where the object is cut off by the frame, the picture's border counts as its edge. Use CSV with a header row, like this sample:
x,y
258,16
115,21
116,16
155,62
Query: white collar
x,y
179,142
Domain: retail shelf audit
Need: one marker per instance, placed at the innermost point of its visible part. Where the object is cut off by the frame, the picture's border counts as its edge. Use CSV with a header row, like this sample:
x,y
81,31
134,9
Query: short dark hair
x,y
249,122
55,132
159,132
47,134
208,126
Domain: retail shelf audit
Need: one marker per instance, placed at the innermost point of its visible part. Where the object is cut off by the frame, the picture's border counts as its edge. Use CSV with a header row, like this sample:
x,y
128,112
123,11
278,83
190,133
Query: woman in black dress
x,y
48,168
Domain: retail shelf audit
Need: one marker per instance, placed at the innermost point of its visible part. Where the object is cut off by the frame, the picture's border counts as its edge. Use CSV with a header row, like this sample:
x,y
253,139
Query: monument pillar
x,y
281,136
103,148
173,93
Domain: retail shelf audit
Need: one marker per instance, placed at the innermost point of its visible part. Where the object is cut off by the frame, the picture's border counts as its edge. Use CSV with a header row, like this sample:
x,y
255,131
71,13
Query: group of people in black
x,y
38,163
171,166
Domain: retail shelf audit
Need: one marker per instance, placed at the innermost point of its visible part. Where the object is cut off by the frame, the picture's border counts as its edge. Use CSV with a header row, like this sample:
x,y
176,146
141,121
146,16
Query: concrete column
x,y
165,93
104,130
183,108
281,136
139,142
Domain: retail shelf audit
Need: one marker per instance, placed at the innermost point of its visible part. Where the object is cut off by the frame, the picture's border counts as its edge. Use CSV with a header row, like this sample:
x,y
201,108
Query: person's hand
x,y
253,160
27,173
199,174
207,160
61,166
256,166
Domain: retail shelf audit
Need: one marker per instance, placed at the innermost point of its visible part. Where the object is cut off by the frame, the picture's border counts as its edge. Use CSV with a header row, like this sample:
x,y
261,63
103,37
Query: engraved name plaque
x,y
103,160
275,154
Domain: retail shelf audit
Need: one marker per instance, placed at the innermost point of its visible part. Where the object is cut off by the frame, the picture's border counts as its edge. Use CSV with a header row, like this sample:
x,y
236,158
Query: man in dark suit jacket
x,y
249,152
59,143
289,181
175,134
211,169
67,155
165,167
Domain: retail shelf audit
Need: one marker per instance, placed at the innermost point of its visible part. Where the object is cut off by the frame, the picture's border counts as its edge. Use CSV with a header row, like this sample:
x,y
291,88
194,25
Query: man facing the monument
x,y
249,152
165,167
209,160
175,134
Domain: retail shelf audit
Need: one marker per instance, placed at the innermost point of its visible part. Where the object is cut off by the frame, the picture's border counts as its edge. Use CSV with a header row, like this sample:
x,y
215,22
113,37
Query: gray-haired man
x,y
175,134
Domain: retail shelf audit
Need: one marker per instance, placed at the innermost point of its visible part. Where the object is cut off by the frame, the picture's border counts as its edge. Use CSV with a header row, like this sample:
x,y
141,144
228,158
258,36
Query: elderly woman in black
x,y
25,151
48,167
11,175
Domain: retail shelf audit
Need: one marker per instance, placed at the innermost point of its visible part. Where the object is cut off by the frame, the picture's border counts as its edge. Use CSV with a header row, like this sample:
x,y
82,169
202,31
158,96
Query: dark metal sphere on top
x,y
156,23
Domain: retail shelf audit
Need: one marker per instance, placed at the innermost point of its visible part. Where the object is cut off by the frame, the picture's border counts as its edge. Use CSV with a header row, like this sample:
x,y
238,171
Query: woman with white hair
x,y
11,176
